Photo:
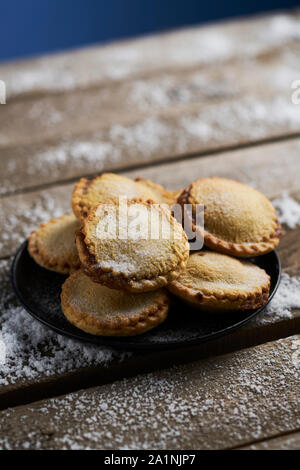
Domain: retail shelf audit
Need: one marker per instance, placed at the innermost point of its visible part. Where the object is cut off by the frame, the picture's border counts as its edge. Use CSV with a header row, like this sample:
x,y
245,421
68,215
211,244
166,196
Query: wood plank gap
x,y
156,163
143,363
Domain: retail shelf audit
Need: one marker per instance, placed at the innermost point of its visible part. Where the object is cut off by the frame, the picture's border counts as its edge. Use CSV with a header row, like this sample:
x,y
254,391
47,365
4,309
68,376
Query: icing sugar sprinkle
x,y
29,350
288,210
286,298
2,352
181,407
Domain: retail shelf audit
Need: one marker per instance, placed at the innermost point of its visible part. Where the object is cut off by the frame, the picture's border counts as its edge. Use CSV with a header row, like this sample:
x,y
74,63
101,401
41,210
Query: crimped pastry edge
x,y
141,322
213,301
80,210
52,263
115,280
241,250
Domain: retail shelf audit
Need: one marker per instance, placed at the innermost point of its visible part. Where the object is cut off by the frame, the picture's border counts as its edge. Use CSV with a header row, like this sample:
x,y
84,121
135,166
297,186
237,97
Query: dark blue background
x,y
29,27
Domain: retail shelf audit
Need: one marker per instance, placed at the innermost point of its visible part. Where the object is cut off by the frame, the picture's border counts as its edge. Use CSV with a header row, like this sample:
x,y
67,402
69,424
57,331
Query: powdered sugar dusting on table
x,y
105,149
151,411
2,352
224,123
183,48
286,298
23,338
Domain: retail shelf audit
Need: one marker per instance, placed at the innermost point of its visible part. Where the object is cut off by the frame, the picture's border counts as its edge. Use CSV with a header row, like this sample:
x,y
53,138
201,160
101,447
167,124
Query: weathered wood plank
x,y
271,168
39,363
255,83
201,46
291,441
245,119
218,403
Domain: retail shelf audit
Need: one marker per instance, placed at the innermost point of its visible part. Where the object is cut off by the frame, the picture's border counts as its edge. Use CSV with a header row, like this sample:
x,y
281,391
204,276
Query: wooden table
x,y
212,100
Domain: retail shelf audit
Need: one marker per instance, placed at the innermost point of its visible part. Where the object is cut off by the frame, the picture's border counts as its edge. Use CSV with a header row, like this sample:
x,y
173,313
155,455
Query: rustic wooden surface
x,y
204,101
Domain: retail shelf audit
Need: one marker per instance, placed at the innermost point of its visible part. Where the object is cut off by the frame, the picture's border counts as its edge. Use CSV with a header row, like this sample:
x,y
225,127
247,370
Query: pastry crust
x,y
88,193
52,245
238,220
216,282
135,264
161,195
101,311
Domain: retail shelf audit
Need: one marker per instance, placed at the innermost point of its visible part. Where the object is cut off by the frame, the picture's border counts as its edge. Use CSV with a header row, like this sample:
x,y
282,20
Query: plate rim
x,y
128,345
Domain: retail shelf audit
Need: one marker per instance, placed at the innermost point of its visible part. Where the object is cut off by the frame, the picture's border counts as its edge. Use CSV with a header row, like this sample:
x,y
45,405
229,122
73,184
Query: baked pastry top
x,y
90,192
160,194
99,310
238,220
214,281
52,245
120,248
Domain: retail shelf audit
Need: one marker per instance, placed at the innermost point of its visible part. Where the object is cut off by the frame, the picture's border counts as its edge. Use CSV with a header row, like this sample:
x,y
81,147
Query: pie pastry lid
x,y
238,220
98,310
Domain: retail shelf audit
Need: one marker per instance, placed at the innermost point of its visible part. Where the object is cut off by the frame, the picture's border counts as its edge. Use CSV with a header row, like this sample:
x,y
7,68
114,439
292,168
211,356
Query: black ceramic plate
x,y
39,292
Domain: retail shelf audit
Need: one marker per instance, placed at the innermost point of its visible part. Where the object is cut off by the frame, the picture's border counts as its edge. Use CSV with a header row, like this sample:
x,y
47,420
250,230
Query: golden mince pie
x,y
136,247
238,220
217,282
99,310
52,245
89,193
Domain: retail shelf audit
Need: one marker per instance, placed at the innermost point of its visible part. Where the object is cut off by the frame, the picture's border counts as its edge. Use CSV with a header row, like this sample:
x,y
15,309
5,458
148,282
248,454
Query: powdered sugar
x,y
189,47
21,220
284,27
216,403
80,152
288,210
28,344
2,352
167,90
33,351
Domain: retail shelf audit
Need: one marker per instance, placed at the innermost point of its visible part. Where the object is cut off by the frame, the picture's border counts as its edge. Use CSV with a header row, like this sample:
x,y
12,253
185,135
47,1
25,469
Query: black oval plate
x,y
39,292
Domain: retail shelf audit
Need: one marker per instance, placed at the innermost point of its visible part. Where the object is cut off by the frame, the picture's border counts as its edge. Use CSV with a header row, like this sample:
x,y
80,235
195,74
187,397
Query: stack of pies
x,y
126,254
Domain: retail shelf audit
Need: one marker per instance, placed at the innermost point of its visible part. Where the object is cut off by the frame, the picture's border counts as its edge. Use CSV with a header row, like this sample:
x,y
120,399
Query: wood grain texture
x,y
246,90
200,46
290,441
272,168
218,403
203,102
